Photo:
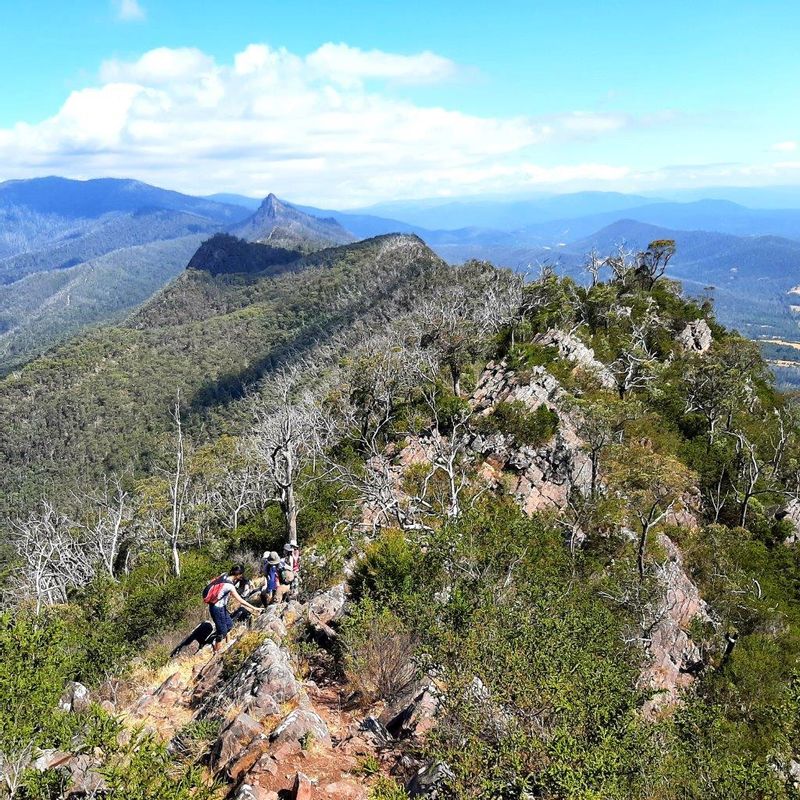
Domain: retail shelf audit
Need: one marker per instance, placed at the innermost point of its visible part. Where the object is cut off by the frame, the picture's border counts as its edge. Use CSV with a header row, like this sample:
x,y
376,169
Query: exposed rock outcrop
x,y
542,477
674,659
791,514
75,698
696,337
571,348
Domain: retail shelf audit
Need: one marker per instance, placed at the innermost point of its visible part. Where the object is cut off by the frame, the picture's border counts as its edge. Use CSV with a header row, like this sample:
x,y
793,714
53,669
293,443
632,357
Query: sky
x,y
351,103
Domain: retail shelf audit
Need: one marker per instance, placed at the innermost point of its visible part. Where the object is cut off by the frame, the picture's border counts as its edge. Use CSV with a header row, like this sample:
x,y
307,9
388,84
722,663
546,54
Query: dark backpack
x,y
212,592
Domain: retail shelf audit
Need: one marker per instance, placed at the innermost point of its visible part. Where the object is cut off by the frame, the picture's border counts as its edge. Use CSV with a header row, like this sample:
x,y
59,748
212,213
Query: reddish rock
x,y
286,750
75,698
248,758
249,791
208,681
50,759
302,787
674,658
234,740
266,764
84,779
168,698
301,724
143,705
174,683
345,790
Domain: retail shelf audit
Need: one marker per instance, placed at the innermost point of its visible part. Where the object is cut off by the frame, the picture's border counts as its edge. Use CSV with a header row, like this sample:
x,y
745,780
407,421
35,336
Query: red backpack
x,y
213,592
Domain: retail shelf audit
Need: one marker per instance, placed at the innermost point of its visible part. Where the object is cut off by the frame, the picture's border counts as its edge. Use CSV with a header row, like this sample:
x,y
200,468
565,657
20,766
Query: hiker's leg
x,y
281,592
227,621
222,624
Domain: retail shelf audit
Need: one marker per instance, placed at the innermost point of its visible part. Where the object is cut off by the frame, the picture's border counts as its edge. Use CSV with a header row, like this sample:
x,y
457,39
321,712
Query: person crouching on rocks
x,y
216,596
270,569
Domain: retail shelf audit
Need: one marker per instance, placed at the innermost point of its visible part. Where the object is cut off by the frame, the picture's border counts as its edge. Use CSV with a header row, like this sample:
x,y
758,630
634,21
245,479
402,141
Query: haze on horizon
x,y
369,103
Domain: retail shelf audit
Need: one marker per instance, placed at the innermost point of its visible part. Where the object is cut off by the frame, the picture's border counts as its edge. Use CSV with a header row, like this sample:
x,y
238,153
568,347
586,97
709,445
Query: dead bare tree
x,y
110,528
178,488
593,265
52,559
13,767
286,438
240,488
750,470
633,369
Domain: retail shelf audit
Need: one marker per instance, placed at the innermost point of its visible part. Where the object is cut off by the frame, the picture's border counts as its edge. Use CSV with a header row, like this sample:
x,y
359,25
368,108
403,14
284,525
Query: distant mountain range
x,y
282,225
78,253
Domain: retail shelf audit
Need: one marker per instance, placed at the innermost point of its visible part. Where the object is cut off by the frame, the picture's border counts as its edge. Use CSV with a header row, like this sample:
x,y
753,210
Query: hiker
x,y
269,569
291,557
216,595
290,563
273,569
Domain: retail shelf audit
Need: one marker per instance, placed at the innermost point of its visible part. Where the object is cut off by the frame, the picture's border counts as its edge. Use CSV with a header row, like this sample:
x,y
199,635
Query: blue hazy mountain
x,y
251,203
501,213
751,276
75,253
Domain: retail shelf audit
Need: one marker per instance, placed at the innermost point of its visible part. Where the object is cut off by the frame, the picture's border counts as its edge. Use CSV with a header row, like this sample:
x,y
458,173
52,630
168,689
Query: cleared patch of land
x,y
793,345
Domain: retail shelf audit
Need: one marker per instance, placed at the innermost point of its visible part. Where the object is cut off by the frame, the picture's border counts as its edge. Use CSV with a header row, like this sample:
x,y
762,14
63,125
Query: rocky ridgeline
x,y
545,476
542,476
279,736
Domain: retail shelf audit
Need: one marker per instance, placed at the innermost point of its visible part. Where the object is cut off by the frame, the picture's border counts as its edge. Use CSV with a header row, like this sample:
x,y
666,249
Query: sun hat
x,y
273,558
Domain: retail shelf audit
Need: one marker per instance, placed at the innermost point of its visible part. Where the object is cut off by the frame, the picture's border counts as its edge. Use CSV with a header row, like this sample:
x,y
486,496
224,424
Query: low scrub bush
x,y
387,789
387,570
378,652
530,428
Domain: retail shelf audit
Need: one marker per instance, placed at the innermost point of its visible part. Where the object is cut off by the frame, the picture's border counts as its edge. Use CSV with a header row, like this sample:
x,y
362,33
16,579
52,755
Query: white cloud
x,y
129,10
323,127
785,147
348,65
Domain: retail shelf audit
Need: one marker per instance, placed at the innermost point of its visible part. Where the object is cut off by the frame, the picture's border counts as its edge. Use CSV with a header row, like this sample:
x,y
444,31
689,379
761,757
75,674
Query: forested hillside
x,y
101,402
549,538
76,253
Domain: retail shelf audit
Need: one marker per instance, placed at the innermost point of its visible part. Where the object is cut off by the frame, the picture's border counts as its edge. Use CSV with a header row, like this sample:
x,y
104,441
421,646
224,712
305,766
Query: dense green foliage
x,y
534,629
45,308
100,403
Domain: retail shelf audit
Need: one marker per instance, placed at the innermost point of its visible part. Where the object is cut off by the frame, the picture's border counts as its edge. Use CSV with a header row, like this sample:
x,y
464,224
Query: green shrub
x,y
387,570
234,657
144,770
530,428
526,356
368,765
323,561
387,789
378,649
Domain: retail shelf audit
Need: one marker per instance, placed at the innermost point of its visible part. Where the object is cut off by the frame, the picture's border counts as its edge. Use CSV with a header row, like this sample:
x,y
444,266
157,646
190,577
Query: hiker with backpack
x,y
290,568
216,595
276,585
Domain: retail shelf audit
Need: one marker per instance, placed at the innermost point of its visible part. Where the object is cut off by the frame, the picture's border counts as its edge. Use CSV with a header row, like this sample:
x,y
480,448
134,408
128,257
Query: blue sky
x,y
355,102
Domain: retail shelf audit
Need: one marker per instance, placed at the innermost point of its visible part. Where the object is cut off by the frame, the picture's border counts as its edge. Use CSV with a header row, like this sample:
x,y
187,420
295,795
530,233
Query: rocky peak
x,y
696,337
282,225
270,207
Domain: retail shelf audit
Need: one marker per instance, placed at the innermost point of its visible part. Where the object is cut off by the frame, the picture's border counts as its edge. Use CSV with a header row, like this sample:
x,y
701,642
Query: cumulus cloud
x,y
129,10
785,147
325,127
